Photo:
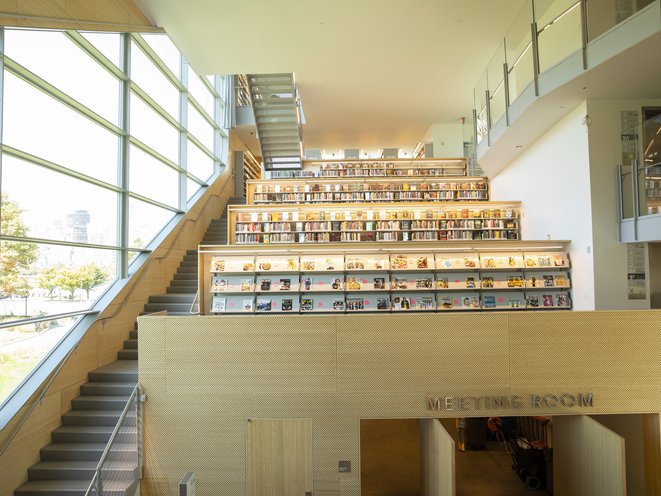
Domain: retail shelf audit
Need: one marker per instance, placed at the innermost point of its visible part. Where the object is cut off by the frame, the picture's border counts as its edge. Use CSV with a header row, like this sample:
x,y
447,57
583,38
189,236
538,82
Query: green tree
x,y
47,279
91,276
15,256
69,280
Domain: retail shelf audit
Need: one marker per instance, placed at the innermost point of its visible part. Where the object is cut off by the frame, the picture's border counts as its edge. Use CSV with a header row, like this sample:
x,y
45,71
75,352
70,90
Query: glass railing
x,y
120,468
542,35
640,169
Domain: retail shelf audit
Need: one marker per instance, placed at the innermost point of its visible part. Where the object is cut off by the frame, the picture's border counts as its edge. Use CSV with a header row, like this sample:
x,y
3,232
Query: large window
x,y
64,124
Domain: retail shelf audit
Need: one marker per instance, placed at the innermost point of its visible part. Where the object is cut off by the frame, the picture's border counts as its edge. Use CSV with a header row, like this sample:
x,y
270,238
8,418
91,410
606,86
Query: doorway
x,y
279,457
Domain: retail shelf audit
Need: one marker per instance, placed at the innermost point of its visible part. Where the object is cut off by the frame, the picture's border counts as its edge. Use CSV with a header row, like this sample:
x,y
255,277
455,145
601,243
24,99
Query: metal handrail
x,y
57,370
190,311
44,318
134,395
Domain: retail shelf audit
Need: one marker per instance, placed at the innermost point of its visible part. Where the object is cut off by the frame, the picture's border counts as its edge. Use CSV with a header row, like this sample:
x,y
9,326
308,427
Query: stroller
x,y
528,461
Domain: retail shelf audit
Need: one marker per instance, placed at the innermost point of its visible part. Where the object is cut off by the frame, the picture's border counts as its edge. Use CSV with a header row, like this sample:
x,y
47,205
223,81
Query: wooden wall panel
x,y
338,369
588,458
111,15
652,453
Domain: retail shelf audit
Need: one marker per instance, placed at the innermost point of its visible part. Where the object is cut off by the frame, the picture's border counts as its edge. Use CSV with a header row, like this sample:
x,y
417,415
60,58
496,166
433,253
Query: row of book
x,y
369,236
220,304
370,196
334,187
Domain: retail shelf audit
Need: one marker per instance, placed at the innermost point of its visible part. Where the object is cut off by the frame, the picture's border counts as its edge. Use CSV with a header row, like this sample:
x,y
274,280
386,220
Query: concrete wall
x,y
610,256
551,179
448,140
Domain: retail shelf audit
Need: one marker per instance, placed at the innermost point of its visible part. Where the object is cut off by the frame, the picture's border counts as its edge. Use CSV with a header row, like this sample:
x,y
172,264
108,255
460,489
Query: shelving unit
x,y
350,190
376,222
509,275
375,168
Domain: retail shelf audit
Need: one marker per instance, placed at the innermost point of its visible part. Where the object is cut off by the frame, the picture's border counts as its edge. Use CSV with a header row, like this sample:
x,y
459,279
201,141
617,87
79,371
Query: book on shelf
x,y
548,281
442,283
514,303
306,304
547,300
355,304
353,284
399,283
561,281
382,303
562,300
218,304
379,283
470,282
514,282
336,284
287,304
338,304
246,284
285,284
248,305
446,302
489,301
533,301
424,283
265,285
264,304
487,282
218,284
425,303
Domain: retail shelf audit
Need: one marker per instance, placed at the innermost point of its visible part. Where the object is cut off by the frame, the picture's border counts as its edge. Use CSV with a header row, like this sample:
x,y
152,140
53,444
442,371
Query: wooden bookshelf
x,y
367,190
484,276
375,222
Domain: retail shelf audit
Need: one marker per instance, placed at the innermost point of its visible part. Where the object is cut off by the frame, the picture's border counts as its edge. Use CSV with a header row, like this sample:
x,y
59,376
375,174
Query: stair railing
x,y
190,311
120,466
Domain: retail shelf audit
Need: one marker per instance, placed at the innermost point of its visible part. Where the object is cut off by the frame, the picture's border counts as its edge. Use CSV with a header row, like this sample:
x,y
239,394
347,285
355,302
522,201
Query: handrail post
x,y
488,104
636,200
506,89
584,32
535,56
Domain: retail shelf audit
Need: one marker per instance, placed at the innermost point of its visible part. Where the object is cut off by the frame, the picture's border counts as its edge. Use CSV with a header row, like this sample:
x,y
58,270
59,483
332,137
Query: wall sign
x,y
486,403
636,288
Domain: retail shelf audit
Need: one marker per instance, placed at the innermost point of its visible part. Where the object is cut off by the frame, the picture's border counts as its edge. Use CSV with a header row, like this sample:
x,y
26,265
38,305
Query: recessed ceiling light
x,y
519,146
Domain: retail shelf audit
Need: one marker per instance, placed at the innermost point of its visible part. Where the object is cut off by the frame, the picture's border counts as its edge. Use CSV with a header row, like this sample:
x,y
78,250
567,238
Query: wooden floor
x,y
390,463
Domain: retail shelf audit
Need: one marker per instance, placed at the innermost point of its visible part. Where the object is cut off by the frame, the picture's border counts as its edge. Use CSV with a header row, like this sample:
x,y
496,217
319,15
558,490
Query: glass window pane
x,y
106,43
199,163
56,206
23,347
191,188
153,82
165,49
200,92
154,131
64,136
145,222
212,80
51,55
152,178
199,127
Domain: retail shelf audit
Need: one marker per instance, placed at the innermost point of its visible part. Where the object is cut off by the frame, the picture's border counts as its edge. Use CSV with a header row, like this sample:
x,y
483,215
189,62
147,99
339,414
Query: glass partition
x,y
559,30
518,52
606,14
650,170
480,98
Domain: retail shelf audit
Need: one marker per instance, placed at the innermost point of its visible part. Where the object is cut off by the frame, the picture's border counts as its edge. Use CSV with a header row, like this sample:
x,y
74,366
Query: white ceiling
x,y
371,73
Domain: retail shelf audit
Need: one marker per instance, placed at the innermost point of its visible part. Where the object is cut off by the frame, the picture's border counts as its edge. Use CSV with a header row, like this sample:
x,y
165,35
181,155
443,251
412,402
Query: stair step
x,y
127,355
188,263
133,334
94,417
74,488
120,371
191,252
99,402
186,276
81,469
169,307
187,270
183,289
189,258
72,451
92,434
172,298
130,344
175,283
108,388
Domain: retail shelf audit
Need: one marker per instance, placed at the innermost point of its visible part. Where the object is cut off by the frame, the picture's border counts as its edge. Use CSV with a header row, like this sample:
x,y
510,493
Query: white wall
x,y
551,179
610,256
448,140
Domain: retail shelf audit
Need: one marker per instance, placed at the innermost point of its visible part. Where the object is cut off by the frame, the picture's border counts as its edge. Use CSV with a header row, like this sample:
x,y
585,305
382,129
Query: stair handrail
x,y
190,311
26,415
167,253
96,484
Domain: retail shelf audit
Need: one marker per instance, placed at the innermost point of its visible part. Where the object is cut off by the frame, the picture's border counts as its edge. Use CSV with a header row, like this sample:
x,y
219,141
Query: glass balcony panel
x,y
560,36
606,14
518,52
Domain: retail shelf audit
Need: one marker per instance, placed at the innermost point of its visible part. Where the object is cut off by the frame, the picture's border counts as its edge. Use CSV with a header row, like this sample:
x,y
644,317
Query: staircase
x,y
278,119
68,464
